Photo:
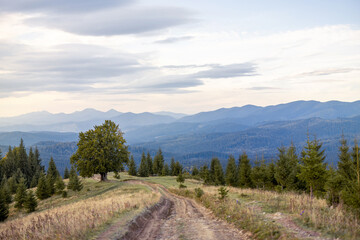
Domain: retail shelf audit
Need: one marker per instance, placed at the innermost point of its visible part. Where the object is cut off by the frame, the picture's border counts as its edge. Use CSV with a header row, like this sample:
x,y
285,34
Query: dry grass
x,y
256,205
76,220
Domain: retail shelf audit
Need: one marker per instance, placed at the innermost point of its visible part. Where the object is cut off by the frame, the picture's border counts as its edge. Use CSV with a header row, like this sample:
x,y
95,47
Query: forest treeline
x,y
20,171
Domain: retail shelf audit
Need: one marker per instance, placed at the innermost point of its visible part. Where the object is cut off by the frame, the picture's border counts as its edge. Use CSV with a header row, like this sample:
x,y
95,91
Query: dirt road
x,y
179,218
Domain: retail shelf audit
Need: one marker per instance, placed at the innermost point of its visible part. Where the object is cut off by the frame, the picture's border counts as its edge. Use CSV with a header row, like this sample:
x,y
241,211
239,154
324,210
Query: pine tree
x,y
205,175
59,185
132,167
286,169
143,168
333,187
345,165
231,173
244,171
20,196
4,208
66,173
30,203
23,163
149,164
270,172
12,185
35,179
6,193
42,191
74,181
180,179
258,174
312,167
178,169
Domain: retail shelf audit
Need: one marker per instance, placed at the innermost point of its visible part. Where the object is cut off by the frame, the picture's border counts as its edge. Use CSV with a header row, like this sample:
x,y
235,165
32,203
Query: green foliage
x,y
286,169
180,179
231,172
132,167
100,150
42,191
30,203
165,171
20,196
158,163
74,181
4,207
198,192
51,176
216,172
64,194
223,192
244,171
143,168
195,172
149,164
333,186
312,167
66,173
258,174
59,185
116,175
6,193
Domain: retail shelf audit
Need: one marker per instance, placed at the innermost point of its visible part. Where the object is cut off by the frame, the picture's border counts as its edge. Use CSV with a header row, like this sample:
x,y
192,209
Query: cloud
x,y
174,39
324,72
228,71
59,6
98,17
261,88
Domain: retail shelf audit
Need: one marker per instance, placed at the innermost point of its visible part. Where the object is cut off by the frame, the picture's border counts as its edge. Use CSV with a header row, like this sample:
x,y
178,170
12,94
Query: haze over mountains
x,y
194,139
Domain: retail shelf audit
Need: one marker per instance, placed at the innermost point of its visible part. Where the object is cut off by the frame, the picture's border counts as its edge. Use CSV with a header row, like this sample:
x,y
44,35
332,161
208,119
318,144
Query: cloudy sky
x,y
181,56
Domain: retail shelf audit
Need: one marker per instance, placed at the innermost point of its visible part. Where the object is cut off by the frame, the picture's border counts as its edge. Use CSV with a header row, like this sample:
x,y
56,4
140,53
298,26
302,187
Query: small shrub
x,y
117,175
223,192
64,194
199,192
182,186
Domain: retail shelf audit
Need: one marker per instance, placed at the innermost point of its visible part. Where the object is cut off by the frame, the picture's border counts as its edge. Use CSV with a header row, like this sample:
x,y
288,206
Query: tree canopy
x,y
100,150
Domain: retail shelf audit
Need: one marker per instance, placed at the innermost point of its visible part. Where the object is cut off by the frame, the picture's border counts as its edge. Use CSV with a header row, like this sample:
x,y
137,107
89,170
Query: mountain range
x,y
194,139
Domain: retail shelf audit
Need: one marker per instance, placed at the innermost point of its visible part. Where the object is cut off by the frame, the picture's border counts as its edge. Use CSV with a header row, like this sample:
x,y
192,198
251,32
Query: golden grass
x,y
75,220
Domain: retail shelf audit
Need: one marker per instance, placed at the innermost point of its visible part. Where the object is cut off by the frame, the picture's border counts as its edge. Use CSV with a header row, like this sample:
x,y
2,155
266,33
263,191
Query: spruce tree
x,y
149,164
42,191
195,172
244,171
12,185
74,181
270,173
165,170
216,172
51,175
66,173
59,185
143,168
132,167
205,175
23,163
158,163
35,179
180,179
312,167
230,176
30,203
258,174
286,169
4,208
172,166
20,196
333,187
6,193
345,165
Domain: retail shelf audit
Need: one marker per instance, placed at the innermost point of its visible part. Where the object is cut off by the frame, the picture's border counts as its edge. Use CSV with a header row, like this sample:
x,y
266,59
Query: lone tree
x,y
100,150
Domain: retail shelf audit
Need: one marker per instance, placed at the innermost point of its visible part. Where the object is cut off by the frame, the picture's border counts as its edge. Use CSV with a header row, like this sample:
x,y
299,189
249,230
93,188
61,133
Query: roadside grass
x,y
251,209
82,214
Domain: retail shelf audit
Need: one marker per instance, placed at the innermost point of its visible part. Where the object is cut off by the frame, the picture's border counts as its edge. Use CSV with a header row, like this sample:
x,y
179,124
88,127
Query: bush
x,y
64,194
223,192
199,192
182,186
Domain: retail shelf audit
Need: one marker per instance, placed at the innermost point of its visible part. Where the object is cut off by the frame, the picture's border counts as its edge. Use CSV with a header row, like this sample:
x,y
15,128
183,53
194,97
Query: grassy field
x,y
82,215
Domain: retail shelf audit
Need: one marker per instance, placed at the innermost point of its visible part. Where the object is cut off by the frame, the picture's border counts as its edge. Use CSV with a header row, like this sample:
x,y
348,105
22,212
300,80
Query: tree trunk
x,y
103,176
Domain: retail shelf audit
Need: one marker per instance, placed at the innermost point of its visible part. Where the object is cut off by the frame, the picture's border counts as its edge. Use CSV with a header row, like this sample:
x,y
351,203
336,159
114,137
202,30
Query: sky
x,y
180,56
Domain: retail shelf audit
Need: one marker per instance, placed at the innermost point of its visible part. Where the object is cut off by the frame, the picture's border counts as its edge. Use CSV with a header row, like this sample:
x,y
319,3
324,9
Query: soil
x,y
175,217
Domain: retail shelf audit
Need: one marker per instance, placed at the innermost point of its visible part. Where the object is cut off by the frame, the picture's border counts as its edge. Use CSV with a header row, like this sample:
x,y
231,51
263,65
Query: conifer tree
x,y
165,170
22,163
30,203
4,208
20,196
132,166
74,181
143,168
178,168
35,179
180,179
205,175
51,175
244,171
216,172
231,173
59,185
312,167
66,173
270,172
172,166
149,164
158,163
286,169
258,174
12,185
6,193
333,187
42,191
195,172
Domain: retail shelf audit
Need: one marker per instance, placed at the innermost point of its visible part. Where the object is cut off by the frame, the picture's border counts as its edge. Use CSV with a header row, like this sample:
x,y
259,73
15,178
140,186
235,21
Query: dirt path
x,y
179,218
